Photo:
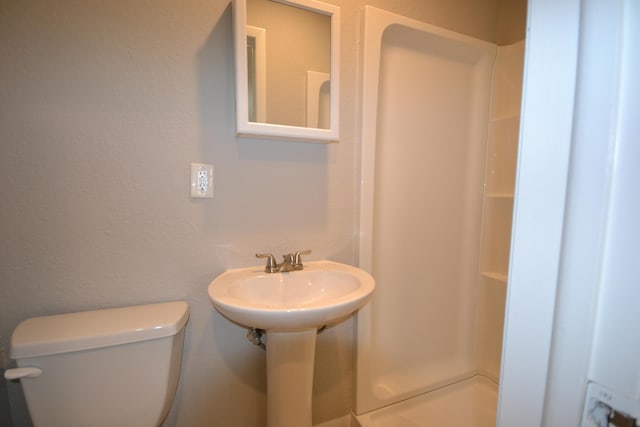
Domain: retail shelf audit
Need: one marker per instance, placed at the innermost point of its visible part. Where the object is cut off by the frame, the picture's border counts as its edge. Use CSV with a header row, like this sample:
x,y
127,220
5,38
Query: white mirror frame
x,y
274,131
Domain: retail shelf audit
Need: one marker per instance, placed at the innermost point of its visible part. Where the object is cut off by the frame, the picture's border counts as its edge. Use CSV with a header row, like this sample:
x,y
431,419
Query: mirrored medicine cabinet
x,y
287,69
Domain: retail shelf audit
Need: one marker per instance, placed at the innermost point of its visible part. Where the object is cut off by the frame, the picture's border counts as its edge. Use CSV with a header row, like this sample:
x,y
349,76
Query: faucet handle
x,y
297,260
272,265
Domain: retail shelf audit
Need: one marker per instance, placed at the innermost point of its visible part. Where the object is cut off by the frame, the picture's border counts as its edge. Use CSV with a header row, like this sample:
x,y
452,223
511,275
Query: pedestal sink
x,y
291,307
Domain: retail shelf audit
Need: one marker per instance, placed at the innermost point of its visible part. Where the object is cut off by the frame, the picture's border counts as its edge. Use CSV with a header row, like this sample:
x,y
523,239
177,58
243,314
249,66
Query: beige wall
x,y
511,21
103,106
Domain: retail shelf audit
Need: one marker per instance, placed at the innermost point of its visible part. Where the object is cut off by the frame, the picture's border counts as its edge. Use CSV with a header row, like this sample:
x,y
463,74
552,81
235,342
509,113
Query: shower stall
x,y
439,142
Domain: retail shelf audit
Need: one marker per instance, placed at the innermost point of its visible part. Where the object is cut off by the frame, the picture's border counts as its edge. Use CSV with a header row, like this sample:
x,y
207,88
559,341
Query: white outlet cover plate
x,y
201,181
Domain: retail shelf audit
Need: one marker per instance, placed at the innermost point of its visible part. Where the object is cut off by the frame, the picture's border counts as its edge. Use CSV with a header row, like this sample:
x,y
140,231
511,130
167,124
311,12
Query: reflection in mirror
x,y
288,54
318,97
256,73
299,40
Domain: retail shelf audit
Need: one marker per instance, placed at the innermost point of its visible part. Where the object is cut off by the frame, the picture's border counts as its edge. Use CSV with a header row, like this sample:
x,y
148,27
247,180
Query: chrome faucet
x,y
287,264
290,262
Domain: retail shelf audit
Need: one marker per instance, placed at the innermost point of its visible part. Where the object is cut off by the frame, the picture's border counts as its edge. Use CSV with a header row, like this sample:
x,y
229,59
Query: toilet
x,y
101,368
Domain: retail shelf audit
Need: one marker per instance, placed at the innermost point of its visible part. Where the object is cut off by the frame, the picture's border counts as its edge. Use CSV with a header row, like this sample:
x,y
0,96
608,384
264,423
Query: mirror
x,y
286,56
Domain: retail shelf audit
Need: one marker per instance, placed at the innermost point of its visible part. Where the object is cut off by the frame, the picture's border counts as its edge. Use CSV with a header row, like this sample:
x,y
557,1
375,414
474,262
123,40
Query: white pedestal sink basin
x,y
290,307
322,293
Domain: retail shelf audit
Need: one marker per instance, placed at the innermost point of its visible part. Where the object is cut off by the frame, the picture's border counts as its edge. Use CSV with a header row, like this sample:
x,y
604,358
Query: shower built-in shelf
x,y
503,196
500,277
506,118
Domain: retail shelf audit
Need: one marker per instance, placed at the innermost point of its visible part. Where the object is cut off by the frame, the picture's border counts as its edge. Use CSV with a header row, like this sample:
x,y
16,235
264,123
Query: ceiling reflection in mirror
x,y
288,65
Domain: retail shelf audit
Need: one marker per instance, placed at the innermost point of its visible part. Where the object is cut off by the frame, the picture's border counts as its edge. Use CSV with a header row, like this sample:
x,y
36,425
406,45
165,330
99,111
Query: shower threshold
x,y
468,403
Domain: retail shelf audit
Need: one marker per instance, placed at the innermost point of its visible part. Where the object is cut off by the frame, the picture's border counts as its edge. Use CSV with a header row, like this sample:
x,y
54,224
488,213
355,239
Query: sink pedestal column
x,y
290,358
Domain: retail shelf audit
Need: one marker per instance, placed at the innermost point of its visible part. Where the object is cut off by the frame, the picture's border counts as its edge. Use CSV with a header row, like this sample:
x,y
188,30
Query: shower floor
x,y
468,403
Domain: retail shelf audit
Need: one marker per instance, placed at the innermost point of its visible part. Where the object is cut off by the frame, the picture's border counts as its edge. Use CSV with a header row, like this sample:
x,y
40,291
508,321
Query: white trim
x,y
539,210
587,200
273,131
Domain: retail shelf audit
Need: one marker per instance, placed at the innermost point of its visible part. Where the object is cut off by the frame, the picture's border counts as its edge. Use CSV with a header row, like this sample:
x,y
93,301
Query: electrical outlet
x,y
201,181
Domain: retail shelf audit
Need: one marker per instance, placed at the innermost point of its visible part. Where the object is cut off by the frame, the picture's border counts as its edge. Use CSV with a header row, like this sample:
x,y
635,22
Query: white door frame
x,y
572,67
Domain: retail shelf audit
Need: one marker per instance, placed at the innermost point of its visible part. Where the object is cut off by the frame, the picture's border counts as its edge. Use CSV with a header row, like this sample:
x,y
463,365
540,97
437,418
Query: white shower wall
x,y
425,125
440,131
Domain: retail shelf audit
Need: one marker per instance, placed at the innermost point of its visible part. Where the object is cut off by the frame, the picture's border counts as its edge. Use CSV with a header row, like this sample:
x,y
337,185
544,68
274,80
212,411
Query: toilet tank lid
x,y
63,333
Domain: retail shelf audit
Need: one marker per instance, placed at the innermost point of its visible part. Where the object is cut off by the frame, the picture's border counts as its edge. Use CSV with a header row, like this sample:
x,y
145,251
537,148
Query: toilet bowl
x,y
101,368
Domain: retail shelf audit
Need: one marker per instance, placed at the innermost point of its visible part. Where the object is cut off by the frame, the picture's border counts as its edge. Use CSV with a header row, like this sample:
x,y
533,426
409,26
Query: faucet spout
x,y
286,264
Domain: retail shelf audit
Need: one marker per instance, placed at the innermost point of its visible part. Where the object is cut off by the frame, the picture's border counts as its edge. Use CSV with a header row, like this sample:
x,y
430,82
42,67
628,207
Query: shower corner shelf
x,y
506,196
500,277
506,117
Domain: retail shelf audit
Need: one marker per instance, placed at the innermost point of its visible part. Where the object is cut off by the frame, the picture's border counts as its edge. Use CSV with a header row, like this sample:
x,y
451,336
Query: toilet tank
x,y
101,368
